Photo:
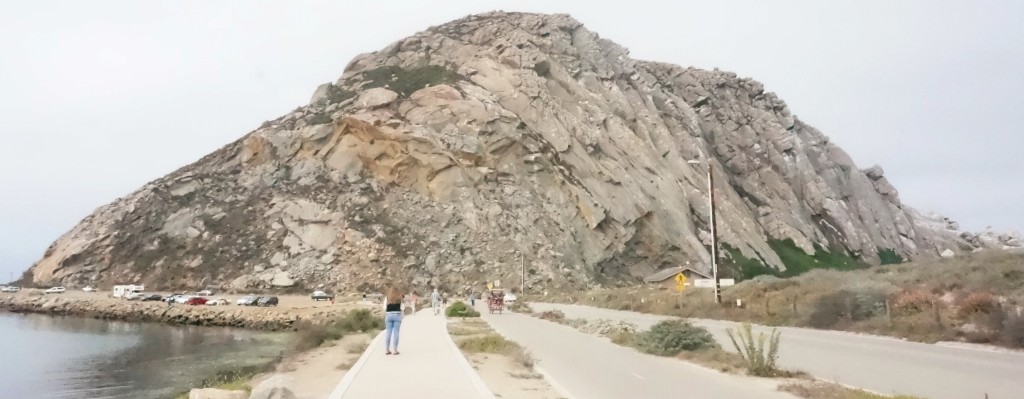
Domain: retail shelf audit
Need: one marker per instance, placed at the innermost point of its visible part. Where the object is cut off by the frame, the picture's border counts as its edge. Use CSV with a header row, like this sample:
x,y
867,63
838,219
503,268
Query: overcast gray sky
x,y
99,97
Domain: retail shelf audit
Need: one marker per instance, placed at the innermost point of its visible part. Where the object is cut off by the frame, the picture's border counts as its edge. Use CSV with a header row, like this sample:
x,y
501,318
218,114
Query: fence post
x,y
888,313
794,304
767,305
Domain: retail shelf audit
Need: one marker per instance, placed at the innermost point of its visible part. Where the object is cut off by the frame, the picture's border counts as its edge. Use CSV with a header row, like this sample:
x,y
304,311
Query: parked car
x,y
183,298
218,302
248,300
321,296
88,289
267,301
171,298
196,300
10,289
151,297
55,290
204,293
134,296
510,297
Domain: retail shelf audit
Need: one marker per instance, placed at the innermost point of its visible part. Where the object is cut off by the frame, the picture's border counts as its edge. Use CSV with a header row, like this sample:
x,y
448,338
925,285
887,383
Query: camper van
x,y
123,291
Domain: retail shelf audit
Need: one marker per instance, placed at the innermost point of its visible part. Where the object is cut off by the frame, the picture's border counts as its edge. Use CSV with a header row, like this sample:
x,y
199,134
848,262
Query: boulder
x,y
948,253
282,279
376,97
214,393
322,93
244,282
275,387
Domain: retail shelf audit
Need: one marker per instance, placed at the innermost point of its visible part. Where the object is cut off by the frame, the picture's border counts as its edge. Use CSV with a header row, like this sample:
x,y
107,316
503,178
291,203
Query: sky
x,y
97,98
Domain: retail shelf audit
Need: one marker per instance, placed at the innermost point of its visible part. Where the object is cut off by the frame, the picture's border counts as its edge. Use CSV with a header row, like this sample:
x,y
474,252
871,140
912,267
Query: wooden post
x,y
888,313
794,305
767,305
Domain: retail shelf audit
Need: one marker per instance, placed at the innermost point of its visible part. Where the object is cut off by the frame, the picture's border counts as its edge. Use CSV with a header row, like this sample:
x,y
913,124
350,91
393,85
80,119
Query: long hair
x,y
394,295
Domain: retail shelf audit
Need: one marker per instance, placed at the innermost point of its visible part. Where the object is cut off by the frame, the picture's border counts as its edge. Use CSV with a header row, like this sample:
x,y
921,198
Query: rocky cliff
x,y
451,156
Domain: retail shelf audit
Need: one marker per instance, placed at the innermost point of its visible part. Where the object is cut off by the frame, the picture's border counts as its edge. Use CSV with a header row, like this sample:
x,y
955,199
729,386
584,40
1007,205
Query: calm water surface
x,y
65,357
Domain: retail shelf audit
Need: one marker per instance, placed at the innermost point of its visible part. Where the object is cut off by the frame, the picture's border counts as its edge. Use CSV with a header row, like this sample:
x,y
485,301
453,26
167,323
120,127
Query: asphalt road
x,y
584,366
880,364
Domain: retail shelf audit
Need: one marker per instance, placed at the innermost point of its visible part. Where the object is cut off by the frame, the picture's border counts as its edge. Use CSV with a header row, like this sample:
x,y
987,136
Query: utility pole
x,y
522,265
714,235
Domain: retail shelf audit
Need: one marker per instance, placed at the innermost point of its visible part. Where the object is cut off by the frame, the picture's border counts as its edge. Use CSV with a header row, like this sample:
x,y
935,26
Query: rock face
x,y
446,156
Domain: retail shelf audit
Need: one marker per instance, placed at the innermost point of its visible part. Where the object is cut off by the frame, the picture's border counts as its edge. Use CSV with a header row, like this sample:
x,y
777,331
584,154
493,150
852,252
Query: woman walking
x,y
392,319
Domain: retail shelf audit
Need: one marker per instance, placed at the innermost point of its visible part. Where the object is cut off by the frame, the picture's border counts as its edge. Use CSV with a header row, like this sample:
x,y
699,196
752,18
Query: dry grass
x,y
526,375
927,301
824,390
715,358
520,307
347,365
490,343
463,331
357,347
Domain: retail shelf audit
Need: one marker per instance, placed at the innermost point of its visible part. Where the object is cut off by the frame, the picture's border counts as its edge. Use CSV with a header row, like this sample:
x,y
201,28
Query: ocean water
x,y
65,357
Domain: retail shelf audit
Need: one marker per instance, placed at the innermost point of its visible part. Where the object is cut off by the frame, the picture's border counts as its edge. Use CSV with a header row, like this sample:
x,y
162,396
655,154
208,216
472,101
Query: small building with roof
x,y
666,277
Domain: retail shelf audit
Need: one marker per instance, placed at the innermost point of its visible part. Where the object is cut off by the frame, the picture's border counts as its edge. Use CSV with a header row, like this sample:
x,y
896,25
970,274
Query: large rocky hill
x,y
449,155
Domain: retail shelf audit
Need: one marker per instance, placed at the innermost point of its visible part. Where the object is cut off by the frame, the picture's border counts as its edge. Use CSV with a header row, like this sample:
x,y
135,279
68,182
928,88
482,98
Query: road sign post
x,y
680,287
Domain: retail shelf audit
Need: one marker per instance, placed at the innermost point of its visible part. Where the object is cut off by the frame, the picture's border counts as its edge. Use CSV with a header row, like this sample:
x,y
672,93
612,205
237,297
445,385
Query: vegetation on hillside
x,y
974,298
406,81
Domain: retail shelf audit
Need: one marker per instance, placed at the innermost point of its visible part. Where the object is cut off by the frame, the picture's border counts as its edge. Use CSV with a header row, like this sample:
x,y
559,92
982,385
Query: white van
x,y
123,291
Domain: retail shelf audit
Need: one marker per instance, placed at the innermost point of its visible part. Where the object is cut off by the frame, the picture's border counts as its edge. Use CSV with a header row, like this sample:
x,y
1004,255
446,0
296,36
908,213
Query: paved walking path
x,y
584,366
430,366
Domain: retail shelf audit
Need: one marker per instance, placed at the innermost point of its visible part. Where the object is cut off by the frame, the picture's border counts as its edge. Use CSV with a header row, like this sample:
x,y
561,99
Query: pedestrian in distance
x,y
435,301
392,320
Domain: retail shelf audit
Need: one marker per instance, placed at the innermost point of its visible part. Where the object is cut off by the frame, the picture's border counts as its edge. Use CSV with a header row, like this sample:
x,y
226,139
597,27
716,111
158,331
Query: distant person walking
x,y
435,301
392,319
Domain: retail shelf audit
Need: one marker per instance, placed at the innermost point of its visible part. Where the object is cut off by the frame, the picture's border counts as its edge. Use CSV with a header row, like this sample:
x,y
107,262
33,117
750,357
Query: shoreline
x,y
281,318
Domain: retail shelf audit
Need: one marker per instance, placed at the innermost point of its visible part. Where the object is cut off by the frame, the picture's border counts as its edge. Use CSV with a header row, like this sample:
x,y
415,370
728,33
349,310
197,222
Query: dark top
x,y
393,307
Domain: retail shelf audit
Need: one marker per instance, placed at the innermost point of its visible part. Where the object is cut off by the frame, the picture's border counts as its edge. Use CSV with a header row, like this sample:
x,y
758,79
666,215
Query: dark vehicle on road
x,y
196,300
267,301
321,296
152,297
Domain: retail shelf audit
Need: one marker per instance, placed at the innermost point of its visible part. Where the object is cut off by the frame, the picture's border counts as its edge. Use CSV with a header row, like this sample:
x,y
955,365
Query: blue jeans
x,y
392,323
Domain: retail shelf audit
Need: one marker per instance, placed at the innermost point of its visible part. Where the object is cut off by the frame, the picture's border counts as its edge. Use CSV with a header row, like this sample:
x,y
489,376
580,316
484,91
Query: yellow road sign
x,y
680,279
490,286
680,287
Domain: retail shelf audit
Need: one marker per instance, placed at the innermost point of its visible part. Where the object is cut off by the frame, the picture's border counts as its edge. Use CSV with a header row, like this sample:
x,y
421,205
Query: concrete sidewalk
x,y
430,366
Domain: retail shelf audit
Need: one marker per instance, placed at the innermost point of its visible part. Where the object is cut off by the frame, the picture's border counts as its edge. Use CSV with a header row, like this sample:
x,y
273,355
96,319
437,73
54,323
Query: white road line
x,y
637,376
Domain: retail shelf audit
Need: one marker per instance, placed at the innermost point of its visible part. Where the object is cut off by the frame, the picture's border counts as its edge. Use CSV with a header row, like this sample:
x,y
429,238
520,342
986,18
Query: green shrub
x,y
552,315
407,81
832,308
669,337
888,256
460,309
798,262
759,354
